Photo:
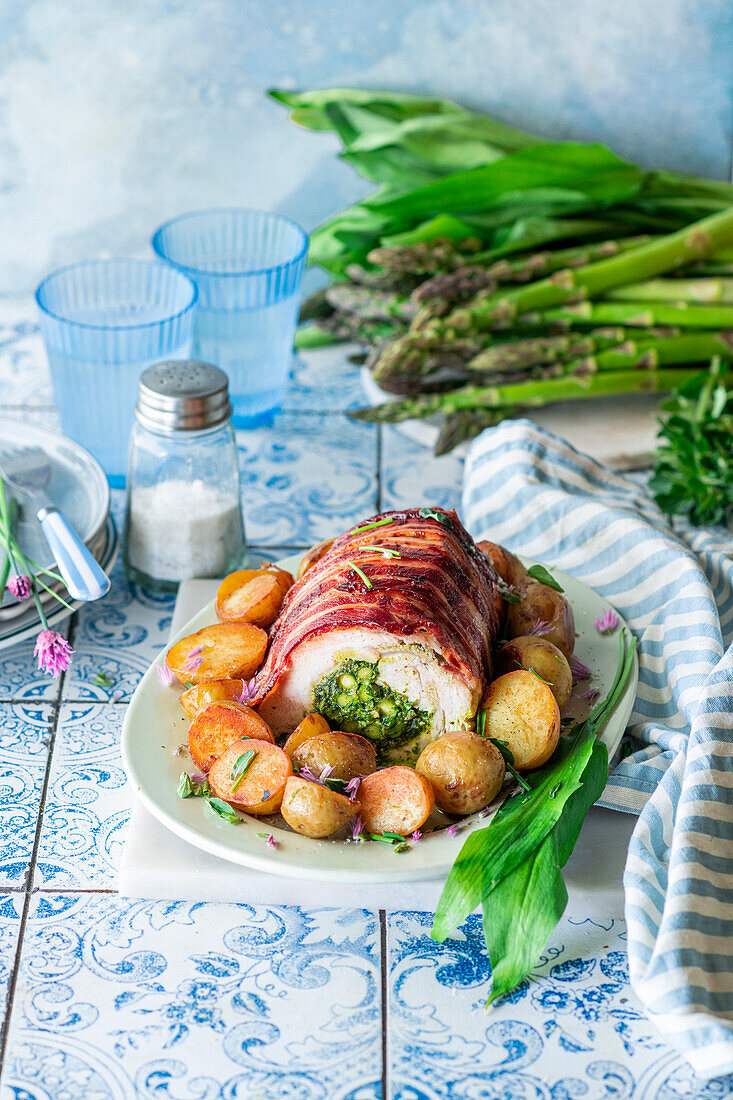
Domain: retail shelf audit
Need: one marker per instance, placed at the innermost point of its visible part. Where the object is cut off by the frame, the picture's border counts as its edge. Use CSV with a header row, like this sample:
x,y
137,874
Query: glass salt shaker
x,y
184,517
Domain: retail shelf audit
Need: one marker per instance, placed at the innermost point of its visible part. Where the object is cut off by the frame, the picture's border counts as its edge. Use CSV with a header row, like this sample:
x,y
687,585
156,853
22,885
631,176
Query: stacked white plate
x,y
78,486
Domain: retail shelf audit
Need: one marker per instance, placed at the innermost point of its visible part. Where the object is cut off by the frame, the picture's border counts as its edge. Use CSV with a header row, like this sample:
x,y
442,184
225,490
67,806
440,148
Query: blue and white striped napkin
x,y
532,492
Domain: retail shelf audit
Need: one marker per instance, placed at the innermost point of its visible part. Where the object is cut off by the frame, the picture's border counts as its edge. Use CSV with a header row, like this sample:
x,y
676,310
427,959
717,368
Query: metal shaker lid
x,y
183,395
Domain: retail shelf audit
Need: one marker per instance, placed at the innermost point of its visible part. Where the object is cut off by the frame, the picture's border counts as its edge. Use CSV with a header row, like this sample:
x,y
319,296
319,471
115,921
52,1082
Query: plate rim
x,y
270,862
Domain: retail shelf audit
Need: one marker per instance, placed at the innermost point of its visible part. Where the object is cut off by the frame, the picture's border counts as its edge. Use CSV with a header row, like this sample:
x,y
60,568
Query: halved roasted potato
x,y
224,651
217,691
257,790
214,729
540,603
313,555
252,596
538,654
315,811
347,754
395,800
522,711
465,771
311,726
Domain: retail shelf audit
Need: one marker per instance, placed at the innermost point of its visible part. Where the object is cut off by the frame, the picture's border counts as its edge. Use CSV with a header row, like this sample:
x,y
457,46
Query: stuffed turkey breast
x,y
390,634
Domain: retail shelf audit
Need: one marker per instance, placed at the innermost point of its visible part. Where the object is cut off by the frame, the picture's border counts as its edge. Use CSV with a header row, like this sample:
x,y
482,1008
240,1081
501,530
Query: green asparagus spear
x,y
708,290
517,354
368,304
644,314
534,393
661,254
658,351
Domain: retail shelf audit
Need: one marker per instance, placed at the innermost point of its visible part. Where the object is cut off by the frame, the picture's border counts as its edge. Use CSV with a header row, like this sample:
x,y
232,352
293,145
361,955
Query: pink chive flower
x,y
452,831
271,842
326,773
19,586
117,695
591,694
579,670
352,787
193,661
416,836
198,777
53,652
247,692
306,773
179,750
165,675
540,628
357,827
607,622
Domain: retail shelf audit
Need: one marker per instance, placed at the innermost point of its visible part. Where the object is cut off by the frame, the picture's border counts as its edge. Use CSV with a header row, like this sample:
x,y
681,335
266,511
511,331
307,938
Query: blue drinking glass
x,y
103,323
248,266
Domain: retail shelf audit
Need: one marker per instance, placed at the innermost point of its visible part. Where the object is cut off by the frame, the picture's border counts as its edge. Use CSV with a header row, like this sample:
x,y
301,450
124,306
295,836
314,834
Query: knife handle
x,y
84,577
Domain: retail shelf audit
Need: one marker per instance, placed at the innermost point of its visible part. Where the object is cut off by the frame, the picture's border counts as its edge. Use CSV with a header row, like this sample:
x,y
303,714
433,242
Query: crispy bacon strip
x,y
441,585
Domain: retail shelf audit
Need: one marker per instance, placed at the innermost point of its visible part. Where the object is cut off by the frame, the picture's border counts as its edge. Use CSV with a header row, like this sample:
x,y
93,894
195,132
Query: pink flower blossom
x,y
607,622
198,777
271,842
19,585
579,670
352,787
193,660
165,675
416,836
326,773
540,628
247,692
357,827
591,694
53,652
452,831
116,696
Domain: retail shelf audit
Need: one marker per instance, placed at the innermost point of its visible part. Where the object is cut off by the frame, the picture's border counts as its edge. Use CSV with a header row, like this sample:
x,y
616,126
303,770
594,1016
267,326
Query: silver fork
x,y
27,470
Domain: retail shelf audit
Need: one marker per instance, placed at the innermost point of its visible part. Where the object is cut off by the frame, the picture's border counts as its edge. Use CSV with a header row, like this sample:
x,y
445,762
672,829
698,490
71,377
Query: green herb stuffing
x,y
512,867
354,700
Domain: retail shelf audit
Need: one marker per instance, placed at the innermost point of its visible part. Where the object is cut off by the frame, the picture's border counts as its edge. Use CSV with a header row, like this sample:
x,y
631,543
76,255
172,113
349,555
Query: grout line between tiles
x,y
385,1001
27,890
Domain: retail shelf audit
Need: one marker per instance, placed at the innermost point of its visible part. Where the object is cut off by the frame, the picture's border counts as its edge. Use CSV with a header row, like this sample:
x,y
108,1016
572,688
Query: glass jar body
x,y
183,517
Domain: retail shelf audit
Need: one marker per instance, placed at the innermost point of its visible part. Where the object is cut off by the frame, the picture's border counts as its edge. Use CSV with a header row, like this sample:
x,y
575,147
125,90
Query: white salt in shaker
x,y
184,517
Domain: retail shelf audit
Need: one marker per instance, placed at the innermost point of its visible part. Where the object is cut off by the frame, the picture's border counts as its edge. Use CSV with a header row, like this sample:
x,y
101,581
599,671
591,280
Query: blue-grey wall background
x,y
116,114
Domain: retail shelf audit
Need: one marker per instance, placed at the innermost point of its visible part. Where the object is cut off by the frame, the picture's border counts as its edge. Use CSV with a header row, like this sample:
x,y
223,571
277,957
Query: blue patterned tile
x,y
306,477
24,736
24,374
119,636
87,806
573,1024
324,381
20,677
120,999
411,474
11,909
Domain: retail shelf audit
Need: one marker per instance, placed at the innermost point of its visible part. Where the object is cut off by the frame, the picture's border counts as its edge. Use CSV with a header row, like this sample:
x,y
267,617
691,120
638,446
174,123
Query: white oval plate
x,y
154,726
76,485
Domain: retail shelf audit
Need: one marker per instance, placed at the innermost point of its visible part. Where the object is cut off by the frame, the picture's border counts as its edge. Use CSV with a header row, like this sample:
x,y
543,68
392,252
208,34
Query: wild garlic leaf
x,y
539,573
430,513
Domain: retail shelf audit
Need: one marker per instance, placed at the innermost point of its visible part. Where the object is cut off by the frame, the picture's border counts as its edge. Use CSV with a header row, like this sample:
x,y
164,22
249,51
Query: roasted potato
x,y
252,596
347,754
222,652
201,697
311,726
395,800
315,811
538,655
214,729
313,555
506,564
260,789
540,603
465,771
522,711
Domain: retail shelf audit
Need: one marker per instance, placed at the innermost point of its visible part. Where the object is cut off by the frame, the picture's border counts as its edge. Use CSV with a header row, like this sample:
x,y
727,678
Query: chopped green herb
x,y
481,721
187,788
539,677
380,837
102,680
508,756
393,836
371,526
508,592
221,809
539,573
361,573
334,784
430,513
401,847
241,766
187,684
353,699
385,550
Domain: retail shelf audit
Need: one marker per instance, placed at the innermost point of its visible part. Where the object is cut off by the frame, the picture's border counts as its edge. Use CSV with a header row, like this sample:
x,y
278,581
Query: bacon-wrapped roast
x,y
390,634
